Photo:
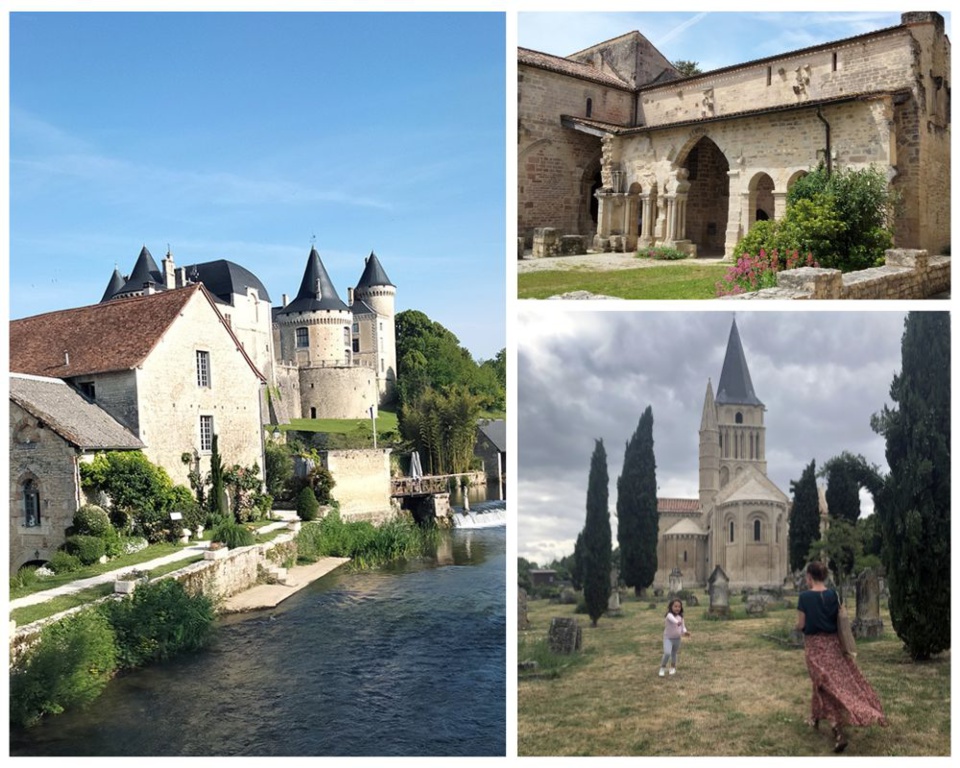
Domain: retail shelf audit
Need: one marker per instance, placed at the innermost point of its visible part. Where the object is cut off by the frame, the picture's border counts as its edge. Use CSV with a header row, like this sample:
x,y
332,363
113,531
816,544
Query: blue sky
x,y
714,39
245,136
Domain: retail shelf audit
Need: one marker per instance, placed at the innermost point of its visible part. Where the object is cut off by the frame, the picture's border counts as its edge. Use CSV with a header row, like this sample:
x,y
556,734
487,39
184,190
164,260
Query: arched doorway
x,y
708,200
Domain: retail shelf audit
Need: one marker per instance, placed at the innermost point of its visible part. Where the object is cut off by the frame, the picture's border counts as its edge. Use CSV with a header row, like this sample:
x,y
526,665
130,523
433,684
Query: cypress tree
x,y
843,490
914,503
576,566
596,544
804,517
217,503
637,508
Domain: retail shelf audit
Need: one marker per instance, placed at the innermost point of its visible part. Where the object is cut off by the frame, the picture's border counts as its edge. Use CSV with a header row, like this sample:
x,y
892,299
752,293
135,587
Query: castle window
x,y
206,433
739,418
589,107
303,337
356,345
834,61
203,368
769,75
31,505
731,531
756,530
684,555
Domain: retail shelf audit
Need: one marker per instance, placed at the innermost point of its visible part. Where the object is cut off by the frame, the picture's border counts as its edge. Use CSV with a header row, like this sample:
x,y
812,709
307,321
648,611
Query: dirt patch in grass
x,y
736,693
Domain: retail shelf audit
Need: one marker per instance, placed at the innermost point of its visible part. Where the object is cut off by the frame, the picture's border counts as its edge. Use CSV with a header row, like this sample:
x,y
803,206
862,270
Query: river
x,y
404,660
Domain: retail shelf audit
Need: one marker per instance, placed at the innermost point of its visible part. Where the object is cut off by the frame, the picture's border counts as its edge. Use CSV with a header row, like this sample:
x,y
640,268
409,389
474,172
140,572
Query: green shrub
x,y
159,621
367,545
91,520
88,549
307,504
660,253
68,668
183,501
278,468
63,562
233,535
25,577
759,238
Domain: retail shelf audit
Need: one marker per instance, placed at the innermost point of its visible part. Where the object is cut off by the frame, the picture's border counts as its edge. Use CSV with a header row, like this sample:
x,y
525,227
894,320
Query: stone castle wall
x,y
338,392
362,482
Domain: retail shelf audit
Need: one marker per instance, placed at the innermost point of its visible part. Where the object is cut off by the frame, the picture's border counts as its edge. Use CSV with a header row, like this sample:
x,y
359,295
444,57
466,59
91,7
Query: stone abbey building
x,y
615,146
740,520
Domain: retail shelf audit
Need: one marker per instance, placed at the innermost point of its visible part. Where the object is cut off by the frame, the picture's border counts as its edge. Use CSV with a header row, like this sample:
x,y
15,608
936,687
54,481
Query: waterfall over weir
x,y
486,514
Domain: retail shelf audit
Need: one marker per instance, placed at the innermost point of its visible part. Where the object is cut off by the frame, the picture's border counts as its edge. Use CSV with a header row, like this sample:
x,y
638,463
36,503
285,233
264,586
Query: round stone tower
x,y
374,310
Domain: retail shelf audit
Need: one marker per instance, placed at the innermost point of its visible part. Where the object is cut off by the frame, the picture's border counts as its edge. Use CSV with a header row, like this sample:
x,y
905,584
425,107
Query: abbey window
x,y
31,504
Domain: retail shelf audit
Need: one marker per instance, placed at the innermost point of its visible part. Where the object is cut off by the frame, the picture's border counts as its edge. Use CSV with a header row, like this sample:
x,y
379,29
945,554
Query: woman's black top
x,y
820,610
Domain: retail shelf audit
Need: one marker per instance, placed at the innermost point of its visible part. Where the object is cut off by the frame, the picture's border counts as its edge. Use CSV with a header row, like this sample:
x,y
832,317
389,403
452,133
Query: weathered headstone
x,y
868,622
565,635
613,602
719,591
523,621
676,581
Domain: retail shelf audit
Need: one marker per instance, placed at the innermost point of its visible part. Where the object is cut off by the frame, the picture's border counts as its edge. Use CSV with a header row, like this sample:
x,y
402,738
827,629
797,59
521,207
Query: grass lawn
x,y
386,422
679,280
736,692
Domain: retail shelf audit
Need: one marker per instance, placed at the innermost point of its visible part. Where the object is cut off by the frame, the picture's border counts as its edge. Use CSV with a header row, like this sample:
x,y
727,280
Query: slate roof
x,y
316,290
735,386
224,278
373,273
113,336
115,285
144,271
69,414
496,432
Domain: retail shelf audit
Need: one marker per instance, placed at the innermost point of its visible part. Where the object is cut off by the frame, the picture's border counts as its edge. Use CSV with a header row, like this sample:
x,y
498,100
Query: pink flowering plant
x,y
753,273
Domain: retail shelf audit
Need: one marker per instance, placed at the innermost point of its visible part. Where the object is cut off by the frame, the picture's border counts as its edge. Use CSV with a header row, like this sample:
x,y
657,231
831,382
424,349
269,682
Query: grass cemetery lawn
x,y
740,689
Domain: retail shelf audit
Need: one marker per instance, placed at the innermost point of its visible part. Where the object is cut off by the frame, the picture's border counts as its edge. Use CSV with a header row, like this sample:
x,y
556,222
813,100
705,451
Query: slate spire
x,y
114,286
373,273
316,289
735,386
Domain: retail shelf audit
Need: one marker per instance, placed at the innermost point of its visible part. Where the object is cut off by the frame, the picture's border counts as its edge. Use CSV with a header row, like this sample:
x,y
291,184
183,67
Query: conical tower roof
x,y
735,386
144,271
708,421
373,274
316,290
114,286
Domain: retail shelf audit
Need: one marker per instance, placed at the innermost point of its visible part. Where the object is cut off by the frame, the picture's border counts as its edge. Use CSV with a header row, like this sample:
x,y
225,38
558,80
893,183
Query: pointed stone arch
x,y
707,195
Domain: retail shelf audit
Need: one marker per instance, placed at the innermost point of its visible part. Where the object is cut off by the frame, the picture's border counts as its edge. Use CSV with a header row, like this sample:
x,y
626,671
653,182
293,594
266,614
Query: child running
x,y
673,630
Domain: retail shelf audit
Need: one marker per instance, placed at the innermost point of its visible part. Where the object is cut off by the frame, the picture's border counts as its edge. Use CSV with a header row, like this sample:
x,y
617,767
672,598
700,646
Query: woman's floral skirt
x,y
841,694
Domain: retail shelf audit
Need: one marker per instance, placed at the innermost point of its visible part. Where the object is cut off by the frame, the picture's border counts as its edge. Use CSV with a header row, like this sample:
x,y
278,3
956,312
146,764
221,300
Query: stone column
x,y
649,213
779,205
734,231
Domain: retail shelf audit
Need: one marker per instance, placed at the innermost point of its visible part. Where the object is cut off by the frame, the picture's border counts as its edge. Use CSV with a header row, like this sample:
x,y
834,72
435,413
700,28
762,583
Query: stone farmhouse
x,y
52,429
618,151
740,520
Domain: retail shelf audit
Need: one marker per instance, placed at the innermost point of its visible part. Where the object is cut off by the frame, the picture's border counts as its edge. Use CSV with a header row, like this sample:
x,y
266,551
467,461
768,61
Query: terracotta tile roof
x,y
69,414
566,67
678,506
114,336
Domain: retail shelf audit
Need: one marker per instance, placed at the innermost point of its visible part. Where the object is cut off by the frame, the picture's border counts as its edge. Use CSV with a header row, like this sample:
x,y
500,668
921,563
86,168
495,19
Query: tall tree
x,y
637,508
804,517
595,568
846,474
687,68
218,501
576,569
913,507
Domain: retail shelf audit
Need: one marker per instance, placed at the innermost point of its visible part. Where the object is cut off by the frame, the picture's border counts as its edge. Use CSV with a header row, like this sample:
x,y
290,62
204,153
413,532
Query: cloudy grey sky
x,y
713,39
589,374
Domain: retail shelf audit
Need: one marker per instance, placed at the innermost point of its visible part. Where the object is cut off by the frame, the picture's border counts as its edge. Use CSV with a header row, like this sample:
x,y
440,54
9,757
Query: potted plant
x,y
216,551
127,582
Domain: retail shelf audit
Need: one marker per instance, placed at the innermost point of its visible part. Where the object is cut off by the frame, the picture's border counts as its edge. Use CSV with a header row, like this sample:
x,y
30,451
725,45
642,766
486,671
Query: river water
x,y
404,660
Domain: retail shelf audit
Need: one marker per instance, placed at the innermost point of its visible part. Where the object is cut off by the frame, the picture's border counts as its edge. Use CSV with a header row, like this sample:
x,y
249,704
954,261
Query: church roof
x,y
750,485
567,67
225,278
373,273
69,414
735,386
316,290
677,506
685,527
144,271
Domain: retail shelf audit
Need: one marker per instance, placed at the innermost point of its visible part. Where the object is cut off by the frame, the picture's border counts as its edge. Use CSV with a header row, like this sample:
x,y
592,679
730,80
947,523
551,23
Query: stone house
x,y
615,146
52,429
165,365
491,447
740,520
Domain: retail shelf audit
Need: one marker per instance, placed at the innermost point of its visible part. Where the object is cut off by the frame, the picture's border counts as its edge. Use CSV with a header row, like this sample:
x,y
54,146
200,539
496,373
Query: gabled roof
x,y
567,67
735,386
316,290
685,527
750,485
64,410
373,273
678,506
496,432
113,336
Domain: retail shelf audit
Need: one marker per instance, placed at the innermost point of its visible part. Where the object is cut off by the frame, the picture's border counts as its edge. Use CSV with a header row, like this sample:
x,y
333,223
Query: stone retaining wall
x,y
907,274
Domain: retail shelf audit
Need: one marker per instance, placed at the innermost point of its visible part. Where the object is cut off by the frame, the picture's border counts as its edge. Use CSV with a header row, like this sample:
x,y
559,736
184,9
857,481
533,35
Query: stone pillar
x,y
546,243
647,222
719,590
868,622
779,205
613,603
734,231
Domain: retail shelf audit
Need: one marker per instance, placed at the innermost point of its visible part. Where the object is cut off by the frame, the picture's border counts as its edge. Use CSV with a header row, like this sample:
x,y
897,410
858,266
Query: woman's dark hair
x,y
817,571
670,605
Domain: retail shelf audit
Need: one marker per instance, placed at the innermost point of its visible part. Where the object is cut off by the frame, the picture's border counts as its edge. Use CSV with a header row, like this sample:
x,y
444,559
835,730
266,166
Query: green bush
x,y
91,520
233,535
68,668
25,577
88,549
183,501
367,545
278,468
63,562
159,621
307,504
661,253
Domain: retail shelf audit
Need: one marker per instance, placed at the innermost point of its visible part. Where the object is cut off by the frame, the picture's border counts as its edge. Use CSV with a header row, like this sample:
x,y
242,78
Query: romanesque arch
x,y
708,197
760,202
589,208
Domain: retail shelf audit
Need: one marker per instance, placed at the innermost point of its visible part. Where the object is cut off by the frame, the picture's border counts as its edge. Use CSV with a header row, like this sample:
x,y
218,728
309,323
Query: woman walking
x,y
673,630
841,694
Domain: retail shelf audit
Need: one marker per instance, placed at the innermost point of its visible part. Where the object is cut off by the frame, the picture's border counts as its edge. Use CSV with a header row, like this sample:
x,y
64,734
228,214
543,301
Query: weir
x,y
486,514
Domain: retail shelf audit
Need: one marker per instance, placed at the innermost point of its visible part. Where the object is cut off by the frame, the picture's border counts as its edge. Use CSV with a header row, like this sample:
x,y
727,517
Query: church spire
x,y
735,386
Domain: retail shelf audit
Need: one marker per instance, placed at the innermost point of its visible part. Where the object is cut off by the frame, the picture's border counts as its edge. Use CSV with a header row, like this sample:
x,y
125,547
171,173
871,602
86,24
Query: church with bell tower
x,y
740,520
